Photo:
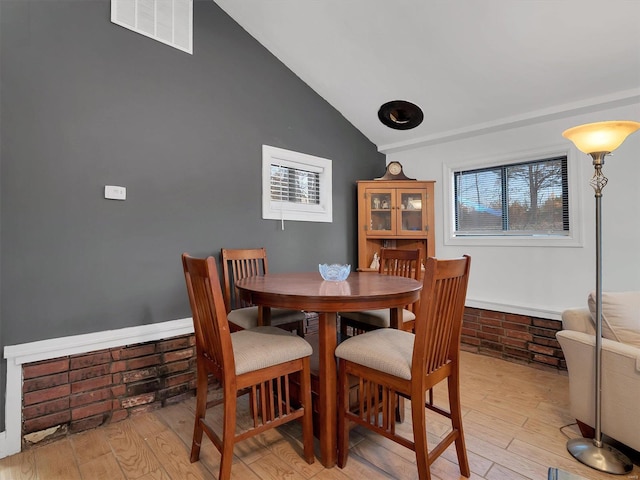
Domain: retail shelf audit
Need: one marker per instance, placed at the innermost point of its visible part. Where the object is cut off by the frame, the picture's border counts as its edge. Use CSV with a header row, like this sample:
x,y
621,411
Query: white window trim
x,y
275,210
575,237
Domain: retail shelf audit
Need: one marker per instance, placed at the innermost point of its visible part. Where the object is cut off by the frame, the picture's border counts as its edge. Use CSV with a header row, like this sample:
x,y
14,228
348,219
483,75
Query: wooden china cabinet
x,y
394,214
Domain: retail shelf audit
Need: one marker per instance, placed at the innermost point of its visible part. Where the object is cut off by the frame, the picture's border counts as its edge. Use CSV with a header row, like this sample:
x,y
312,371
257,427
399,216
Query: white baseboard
x,y
3,445
17,355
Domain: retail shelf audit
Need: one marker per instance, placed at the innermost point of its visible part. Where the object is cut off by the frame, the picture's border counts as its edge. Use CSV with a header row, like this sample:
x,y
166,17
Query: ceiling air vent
x,y
167,21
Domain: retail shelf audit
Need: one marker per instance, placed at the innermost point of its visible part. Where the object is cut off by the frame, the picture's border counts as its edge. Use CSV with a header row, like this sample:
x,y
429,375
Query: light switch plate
x,y
114,192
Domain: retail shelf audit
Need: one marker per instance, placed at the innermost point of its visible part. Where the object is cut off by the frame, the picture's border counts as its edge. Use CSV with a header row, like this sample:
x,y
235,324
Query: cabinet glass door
x,y
380,208
412,207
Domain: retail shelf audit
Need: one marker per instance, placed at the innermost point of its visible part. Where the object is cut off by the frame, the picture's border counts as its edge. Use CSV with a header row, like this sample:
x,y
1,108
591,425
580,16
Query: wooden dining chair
x,y
389,362
393,261
256,361
240,263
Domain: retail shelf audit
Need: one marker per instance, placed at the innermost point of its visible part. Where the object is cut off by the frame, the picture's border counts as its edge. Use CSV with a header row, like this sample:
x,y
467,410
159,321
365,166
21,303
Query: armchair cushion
x,y
620,316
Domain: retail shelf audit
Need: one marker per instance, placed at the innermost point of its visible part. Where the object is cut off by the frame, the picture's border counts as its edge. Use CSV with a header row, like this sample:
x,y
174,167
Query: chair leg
x,y
307,419
201,410
343,329
419,420
456,423
343,407
228,434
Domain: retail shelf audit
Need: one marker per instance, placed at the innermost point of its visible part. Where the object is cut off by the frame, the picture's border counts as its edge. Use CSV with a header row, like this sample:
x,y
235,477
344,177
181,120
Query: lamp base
x,y
605,458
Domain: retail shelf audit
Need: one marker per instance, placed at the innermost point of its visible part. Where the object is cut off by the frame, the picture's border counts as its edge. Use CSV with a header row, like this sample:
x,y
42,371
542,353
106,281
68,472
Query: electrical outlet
x,y
113,192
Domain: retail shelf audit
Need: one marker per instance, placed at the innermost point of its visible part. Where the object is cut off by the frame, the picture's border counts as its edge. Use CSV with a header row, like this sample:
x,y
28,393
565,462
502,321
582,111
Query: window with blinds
x,y
519,199
295,186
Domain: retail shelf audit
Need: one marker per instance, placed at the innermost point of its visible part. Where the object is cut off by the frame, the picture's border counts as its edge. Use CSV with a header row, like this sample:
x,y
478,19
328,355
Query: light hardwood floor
x,y
512,419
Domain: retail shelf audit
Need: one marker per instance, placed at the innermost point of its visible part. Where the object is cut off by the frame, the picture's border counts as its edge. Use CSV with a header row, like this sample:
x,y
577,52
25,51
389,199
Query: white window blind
x,y
289,184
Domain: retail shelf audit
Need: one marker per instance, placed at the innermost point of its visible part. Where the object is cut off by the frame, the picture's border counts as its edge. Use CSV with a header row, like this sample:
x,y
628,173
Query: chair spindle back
x,y
213,338
400,262
236,265
439,321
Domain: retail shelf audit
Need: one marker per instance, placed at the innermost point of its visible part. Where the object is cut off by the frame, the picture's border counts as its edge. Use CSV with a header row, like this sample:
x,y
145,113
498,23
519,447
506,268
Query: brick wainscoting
x,y
517,338
79,392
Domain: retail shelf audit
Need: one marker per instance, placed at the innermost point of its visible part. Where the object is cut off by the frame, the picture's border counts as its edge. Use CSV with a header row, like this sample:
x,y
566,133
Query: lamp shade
x,y
600,136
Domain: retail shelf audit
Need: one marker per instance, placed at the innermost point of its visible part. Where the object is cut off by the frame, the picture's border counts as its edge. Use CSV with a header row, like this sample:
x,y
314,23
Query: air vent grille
x,y
167,21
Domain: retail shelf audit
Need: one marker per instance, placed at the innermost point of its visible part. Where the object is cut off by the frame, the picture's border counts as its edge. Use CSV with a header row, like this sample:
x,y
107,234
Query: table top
x,y
308,291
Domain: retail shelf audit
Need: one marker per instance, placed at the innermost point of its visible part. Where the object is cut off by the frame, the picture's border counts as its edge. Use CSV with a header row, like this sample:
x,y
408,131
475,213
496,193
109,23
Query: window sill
x,y
524,241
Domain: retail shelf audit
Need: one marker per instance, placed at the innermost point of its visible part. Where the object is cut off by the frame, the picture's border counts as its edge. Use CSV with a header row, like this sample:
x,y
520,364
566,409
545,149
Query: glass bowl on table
x,y
334,272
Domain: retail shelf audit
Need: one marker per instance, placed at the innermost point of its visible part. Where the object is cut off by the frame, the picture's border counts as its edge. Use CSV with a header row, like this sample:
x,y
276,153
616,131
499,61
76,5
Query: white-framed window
x,y
295,186
521,199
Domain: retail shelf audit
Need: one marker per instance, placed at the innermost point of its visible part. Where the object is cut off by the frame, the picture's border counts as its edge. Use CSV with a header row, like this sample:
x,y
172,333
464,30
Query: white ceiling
x,y
472,65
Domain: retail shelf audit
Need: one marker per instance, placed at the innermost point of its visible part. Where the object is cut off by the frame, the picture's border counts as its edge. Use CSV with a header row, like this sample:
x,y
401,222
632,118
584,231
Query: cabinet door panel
x,y
412,212
380,212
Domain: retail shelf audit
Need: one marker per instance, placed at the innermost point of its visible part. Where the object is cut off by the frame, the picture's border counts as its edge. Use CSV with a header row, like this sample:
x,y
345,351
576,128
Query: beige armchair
x,y
620,374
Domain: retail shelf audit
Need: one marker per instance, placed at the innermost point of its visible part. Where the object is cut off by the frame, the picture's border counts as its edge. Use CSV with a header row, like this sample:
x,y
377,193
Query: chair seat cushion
x,y
387,350
263,347
247,317
377,318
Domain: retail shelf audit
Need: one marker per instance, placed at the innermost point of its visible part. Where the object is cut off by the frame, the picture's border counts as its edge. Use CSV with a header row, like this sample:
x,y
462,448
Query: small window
x,y
295,186
513,202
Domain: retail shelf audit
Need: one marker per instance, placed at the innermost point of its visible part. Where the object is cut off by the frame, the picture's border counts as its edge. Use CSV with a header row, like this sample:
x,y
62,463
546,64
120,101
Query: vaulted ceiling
x,y
471,65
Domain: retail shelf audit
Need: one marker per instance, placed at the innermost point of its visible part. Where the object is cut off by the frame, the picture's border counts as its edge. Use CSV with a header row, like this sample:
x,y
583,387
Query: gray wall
x,y
86,103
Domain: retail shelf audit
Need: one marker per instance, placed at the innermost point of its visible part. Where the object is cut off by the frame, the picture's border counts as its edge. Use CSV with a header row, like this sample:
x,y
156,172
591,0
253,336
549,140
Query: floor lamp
x,y
599,140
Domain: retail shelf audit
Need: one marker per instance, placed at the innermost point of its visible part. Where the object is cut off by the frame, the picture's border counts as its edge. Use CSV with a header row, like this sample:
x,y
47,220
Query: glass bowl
x,y
334,272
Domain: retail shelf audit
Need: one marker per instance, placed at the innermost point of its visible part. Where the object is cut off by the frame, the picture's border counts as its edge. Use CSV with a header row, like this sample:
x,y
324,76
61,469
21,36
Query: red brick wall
x,y
80,392
517,338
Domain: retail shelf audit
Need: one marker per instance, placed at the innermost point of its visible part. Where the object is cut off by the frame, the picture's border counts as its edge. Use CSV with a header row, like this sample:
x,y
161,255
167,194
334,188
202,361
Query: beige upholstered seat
x,y
386,350
263,347
375,318
393,261
240,263
257,361
387,363
247,317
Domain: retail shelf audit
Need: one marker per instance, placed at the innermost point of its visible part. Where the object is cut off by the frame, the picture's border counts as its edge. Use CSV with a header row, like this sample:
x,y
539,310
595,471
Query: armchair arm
x,y
578,319
620,384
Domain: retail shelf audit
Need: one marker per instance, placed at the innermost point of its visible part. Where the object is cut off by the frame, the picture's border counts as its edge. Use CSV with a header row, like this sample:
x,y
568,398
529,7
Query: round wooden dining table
x,y
309,292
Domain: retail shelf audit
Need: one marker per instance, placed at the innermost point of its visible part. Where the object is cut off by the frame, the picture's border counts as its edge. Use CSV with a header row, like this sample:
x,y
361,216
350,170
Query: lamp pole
x,y
594,452
598,182
599,140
